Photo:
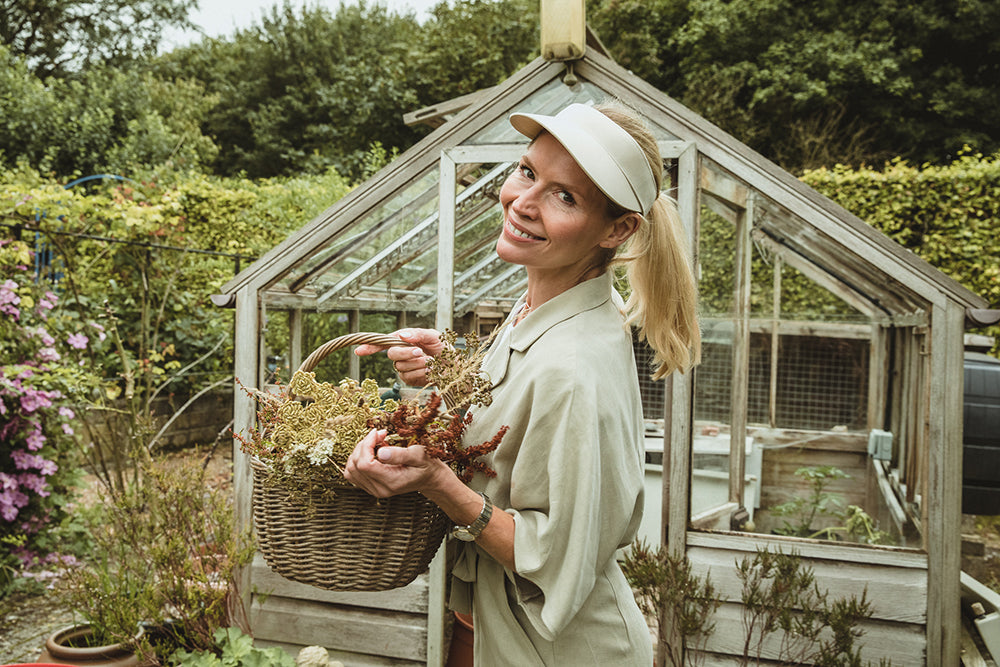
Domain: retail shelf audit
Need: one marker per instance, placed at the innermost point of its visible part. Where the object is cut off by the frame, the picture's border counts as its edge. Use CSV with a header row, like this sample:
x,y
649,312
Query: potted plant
x,y
162,573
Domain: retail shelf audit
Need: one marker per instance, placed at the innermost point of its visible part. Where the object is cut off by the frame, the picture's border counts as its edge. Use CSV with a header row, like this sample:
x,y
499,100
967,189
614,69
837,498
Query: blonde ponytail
x,y
663,302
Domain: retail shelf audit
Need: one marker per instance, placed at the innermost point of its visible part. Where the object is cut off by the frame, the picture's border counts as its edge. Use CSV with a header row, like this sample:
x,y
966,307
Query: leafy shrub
x,y
233,649
945,214
166,555
40,378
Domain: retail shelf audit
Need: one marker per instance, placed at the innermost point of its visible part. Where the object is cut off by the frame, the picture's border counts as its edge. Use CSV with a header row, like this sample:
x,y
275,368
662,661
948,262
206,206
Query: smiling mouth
x,y
514,231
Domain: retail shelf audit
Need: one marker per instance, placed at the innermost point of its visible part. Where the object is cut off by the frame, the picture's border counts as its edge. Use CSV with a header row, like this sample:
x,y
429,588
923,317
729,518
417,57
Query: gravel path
x,y
26,621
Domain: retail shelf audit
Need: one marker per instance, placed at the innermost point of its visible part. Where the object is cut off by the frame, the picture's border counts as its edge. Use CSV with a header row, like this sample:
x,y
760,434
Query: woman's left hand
x,y
383,470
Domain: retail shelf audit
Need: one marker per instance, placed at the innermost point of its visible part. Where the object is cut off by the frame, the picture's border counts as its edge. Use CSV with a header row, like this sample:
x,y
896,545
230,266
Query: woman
x,y
540,573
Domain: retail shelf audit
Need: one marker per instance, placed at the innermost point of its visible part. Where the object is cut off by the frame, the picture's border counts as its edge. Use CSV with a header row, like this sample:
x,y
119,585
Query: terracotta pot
x,y
460,653
58,649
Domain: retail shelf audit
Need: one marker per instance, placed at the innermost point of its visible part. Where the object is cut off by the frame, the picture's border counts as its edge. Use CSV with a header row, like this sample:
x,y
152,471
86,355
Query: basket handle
x,y
347,340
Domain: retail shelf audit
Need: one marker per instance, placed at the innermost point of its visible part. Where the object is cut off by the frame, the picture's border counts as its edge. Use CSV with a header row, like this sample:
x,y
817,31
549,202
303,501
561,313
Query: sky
x,y
219,18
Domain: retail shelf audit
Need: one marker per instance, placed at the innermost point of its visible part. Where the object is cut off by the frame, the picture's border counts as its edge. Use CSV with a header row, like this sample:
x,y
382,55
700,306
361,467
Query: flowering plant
x,y
309,442
40,373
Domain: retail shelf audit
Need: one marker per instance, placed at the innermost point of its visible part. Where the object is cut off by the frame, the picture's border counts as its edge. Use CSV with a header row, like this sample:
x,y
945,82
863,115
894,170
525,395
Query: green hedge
x,y
948,215
157,294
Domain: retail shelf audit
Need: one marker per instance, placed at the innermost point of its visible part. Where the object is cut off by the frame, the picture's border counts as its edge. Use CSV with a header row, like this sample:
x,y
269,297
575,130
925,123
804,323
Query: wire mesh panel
x,y
653,392
822,382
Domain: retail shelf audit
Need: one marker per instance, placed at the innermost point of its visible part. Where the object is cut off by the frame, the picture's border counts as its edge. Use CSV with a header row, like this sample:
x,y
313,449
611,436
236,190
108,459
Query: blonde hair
x,y
663,302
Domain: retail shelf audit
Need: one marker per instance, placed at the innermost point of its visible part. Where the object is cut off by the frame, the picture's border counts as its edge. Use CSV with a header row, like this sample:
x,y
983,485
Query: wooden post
x,y
679,391
244,417
296,336
943,496
772,400
353,360
741,354
436,602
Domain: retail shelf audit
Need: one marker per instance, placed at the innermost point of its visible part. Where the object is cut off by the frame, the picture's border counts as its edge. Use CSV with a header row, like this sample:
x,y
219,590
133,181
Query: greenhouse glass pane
x,y
354,255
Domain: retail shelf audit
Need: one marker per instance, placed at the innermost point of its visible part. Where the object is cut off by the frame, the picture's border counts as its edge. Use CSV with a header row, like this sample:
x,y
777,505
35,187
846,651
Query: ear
x,y
621,229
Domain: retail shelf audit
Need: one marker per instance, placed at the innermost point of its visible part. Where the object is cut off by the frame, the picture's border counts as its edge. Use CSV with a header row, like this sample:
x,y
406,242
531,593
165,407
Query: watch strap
x,y
473,530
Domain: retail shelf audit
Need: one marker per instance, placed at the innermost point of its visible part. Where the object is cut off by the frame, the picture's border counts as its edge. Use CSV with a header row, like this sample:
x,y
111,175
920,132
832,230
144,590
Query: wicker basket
x,y
351,541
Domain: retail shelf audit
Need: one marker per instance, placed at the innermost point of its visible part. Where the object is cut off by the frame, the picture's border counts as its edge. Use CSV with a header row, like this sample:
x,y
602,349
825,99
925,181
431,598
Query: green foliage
x,y
166,554
62,36
945,214
469,45
118,255
306,89
104,120
664,582
809,84
232,649
802,512
782,600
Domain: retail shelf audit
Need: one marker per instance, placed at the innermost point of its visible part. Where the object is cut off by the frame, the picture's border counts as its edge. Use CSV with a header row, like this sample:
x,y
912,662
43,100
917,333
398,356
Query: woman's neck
x,y
542,288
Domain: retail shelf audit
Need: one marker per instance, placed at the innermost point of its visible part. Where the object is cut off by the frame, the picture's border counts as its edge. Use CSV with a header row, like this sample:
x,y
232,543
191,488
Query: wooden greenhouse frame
x,y
426,221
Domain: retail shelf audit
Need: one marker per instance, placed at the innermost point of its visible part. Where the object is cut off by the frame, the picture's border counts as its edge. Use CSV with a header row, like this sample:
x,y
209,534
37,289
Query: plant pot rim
x,y
56,642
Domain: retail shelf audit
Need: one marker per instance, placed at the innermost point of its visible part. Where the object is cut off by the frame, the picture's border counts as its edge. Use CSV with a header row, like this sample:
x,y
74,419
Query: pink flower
x,y
8,293
78,341
35,440
46,304
10,501
33,400
67,429
7,482
47,340
48,354
24,461
66,412
34,483
100,330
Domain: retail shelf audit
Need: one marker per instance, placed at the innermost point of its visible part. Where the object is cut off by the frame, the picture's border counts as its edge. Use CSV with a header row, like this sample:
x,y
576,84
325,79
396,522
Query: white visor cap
x,y
608,154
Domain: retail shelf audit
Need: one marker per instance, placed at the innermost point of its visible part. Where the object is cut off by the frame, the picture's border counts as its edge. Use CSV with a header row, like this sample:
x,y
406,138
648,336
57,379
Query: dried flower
x,y
308,429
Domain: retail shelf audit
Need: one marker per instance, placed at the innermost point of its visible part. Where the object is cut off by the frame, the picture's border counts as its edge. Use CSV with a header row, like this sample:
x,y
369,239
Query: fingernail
x,y
385,454
417,352
406,333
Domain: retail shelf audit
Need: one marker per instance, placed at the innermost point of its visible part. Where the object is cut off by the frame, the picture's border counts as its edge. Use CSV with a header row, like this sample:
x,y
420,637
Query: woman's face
x,y
555,219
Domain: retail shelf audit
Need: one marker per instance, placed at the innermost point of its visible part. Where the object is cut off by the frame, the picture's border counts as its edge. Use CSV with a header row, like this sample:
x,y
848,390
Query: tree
x,y
103,120
473,44
57,37
305,90
817,83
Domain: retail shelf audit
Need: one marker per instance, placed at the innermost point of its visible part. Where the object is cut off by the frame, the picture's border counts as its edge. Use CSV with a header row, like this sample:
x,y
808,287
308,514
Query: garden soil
x,y
26,621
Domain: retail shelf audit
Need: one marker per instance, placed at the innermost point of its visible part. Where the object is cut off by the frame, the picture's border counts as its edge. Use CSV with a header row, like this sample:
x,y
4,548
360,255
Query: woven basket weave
x,y
351,541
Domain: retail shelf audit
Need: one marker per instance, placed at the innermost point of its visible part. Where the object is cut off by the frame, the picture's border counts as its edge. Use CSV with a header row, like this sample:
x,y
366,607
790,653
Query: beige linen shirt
x,y
569,471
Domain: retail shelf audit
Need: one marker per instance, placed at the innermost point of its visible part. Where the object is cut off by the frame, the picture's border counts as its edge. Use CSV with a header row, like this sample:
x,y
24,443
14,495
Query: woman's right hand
x,y
410,362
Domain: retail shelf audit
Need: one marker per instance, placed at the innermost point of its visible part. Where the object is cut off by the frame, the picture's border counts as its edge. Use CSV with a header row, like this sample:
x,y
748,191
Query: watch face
x,y
463,534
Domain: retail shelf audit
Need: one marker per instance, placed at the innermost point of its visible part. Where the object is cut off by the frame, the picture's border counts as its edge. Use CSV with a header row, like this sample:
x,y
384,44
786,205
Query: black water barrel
x,y
981,456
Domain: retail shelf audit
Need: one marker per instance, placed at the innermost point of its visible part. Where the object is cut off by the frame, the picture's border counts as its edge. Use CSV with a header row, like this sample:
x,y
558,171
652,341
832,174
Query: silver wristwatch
x,y
471,532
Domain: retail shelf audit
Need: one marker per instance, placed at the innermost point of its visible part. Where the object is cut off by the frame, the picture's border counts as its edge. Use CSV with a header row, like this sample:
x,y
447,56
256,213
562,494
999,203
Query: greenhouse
x,y
828,356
